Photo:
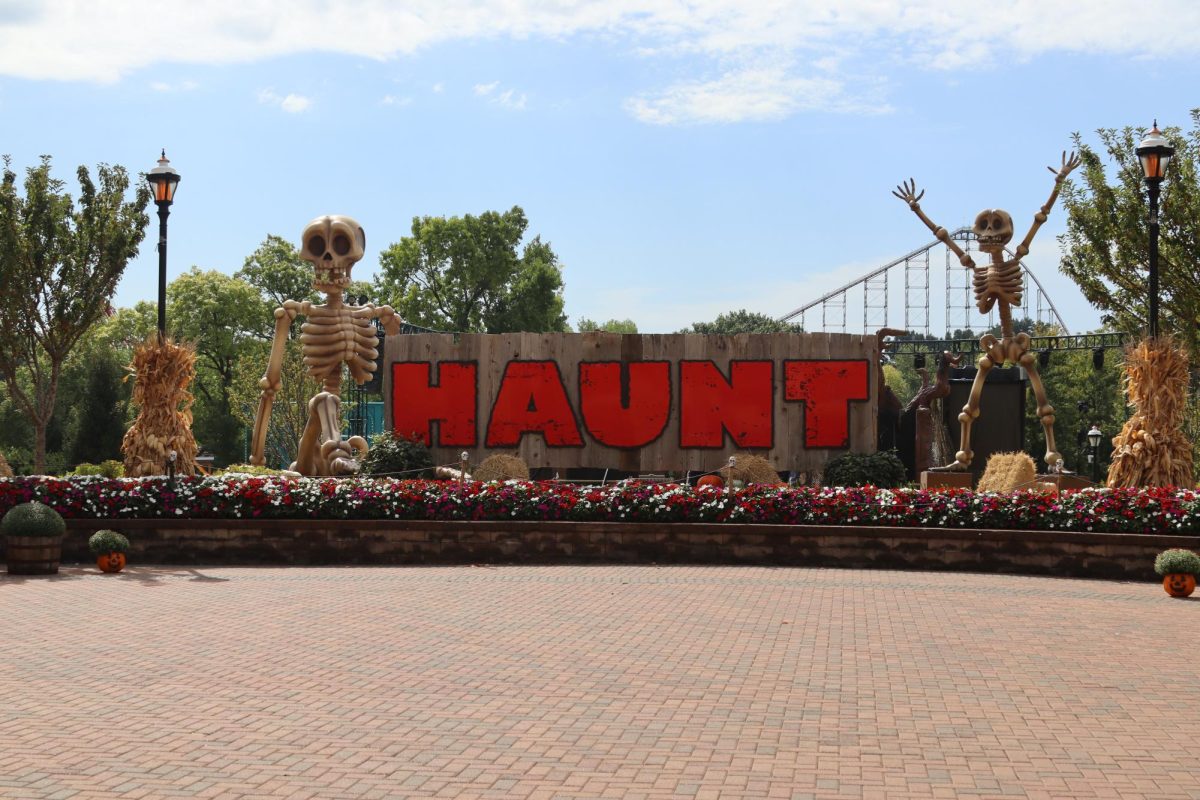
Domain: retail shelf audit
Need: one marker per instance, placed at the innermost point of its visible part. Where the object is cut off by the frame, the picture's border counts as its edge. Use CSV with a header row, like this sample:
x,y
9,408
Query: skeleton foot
x,y
340,455
954,466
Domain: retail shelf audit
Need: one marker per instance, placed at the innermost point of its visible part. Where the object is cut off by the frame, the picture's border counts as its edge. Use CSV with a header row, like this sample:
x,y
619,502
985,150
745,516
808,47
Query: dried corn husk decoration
x,y
1152,450
162,372
501,467
5,469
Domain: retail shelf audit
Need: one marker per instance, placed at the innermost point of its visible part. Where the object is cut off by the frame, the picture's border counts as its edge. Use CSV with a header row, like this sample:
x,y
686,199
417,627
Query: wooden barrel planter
x,y
33,555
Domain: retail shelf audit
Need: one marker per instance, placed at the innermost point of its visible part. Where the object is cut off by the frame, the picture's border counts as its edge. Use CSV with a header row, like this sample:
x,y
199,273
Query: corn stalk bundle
x,y
501,467
162,373
1152,450
750,468
5,469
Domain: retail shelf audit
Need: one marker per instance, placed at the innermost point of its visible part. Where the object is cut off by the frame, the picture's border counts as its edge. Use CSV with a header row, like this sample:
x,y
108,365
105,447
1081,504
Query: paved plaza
x,y
592,682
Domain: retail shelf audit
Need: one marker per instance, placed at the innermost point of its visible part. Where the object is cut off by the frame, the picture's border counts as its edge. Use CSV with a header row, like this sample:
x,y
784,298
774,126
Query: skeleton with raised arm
x,y
997,284
334,334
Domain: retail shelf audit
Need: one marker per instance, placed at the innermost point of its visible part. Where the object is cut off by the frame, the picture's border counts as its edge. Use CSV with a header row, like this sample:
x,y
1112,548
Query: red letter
x,y
826,388
710,405
416,403
629,415
532,399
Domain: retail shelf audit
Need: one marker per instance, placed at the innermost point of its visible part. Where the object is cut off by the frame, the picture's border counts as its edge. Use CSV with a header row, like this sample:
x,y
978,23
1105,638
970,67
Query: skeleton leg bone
x,y
970,412
1045,411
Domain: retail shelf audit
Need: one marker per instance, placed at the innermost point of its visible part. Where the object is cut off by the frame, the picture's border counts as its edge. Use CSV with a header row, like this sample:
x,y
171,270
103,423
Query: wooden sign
x,y
634,402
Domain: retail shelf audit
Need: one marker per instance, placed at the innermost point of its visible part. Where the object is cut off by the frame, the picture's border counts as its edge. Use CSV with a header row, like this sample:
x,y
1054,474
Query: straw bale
x,y
752,469
501,467
1007,471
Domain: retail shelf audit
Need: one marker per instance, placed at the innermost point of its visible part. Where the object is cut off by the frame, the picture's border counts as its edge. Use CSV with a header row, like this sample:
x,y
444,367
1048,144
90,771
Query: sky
x,y
683,157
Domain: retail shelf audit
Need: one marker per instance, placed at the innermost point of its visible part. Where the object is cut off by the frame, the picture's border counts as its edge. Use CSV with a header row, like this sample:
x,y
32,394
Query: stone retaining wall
x,y
334,542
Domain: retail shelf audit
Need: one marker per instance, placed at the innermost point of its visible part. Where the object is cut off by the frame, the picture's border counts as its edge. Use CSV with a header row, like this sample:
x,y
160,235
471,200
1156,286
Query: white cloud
x,y
506,99
438,88
393,100
484,89
729,40
182,86
760,94
291,103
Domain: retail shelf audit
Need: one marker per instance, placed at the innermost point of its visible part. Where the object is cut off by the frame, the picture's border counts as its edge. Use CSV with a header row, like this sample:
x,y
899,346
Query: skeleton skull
x,y
333,245
993,229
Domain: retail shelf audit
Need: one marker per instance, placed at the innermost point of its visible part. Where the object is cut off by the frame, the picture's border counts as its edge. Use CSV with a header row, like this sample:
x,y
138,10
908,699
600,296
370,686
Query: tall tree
x,y
278,272
743,321
59,266
465,274
1106,246
611,326
219,314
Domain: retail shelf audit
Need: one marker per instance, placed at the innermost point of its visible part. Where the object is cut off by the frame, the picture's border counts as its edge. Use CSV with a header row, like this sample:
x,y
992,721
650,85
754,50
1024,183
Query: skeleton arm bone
x,y
907,192
1068,163
271,380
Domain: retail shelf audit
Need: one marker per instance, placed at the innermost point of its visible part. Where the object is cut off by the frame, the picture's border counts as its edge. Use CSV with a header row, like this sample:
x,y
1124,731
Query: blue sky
x,y
683,158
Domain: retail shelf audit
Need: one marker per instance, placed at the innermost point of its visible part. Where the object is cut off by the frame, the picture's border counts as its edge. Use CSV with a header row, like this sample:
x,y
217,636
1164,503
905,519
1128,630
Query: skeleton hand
x,y
1068,163
907,192
289,307
390,320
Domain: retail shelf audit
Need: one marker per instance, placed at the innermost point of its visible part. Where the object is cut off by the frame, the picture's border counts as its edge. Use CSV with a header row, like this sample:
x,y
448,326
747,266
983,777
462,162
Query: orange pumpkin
x,y
1179,584
710,480
111,562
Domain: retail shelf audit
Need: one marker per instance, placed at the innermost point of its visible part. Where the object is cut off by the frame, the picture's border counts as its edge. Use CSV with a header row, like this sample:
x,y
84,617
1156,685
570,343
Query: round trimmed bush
x,y
1177,561
884,470
33,519
398,457
102,542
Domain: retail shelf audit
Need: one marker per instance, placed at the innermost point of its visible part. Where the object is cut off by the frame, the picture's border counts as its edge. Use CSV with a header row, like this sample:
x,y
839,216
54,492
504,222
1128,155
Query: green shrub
x,y
102,542
249,469
86,469
884,470
33,519
112,468
399,457
1177,561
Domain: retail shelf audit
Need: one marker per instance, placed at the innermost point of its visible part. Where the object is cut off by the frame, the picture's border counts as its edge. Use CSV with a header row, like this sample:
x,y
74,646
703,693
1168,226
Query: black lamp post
x,y
163,180
1094,436
1155,153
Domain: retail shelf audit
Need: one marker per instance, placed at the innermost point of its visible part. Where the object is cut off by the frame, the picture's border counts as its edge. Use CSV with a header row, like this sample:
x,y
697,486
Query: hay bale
x,y
752,469
1007,471
501,467
1151,449
162,372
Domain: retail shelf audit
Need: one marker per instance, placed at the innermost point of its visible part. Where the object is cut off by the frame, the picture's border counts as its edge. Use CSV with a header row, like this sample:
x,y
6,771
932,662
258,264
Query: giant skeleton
x,y
998,284
334,334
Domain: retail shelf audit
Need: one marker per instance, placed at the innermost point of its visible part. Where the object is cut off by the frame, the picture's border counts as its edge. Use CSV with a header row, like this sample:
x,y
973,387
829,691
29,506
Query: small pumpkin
x,y
1179,584
709,480
111,562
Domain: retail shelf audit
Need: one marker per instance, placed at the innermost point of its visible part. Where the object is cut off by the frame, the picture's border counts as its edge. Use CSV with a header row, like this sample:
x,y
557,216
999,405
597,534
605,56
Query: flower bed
x,y
227,497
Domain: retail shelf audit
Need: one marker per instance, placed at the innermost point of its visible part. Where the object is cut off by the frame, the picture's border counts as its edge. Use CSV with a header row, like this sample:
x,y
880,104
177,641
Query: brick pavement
x,y
582,682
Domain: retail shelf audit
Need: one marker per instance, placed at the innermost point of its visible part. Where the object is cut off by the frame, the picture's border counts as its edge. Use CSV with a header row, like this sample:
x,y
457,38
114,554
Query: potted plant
x,y
33,534
1179,569
109,548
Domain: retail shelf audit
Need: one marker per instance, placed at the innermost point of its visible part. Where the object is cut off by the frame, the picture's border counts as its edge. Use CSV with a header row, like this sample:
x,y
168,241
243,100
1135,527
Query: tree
x,y
743,321
60,265
612,326
99,422
464,274
219,314
1106,245
278,272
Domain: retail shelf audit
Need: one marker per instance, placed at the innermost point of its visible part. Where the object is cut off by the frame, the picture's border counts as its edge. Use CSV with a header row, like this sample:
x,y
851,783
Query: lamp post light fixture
x,y
163,180
1094,436
1155,152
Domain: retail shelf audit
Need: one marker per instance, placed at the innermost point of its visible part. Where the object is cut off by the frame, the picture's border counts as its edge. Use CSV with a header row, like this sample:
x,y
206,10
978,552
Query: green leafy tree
x,y
278,272
465,274
612,326
743,321
1106,246
220,314
98,424
59,266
